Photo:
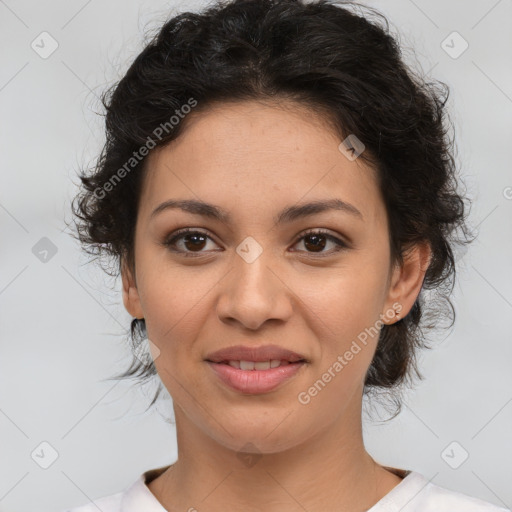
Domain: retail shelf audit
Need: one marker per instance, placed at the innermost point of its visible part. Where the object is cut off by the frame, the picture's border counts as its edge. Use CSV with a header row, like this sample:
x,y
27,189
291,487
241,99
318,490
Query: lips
x,y
255,382
255,354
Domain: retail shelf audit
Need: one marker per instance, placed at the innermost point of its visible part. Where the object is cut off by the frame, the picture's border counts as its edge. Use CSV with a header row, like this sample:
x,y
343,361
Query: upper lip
x,y
256,354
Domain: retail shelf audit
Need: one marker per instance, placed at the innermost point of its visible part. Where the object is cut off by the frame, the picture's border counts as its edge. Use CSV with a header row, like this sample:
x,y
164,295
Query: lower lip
x,y
255,381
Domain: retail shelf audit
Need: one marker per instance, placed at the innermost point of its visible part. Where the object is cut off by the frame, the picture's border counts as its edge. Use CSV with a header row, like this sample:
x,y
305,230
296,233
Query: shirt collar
x,y
138,496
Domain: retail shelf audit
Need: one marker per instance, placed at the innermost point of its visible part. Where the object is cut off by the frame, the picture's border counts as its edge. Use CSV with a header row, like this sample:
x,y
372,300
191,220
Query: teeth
x,y
260,365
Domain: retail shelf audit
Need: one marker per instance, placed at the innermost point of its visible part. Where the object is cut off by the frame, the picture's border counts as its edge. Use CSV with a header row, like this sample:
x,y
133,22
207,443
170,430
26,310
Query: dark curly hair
x,y
325,56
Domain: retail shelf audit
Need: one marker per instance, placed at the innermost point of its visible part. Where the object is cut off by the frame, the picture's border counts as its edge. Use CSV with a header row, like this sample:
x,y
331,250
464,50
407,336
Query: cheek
x,y
345,302
170,290
345,318
175,306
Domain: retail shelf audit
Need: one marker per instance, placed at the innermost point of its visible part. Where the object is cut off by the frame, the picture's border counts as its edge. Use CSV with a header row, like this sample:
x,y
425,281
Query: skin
x,y
253,159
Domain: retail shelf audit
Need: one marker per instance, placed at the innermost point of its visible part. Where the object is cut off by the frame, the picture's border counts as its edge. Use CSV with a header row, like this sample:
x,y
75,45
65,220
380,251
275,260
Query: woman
x,y
278,192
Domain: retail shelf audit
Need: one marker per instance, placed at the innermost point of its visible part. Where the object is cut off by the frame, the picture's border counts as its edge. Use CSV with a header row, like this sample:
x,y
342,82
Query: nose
x,y
254,293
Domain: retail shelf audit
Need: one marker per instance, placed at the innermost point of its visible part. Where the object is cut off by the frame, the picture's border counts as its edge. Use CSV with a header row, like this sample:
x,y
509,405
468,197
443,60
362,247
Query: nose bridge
x,y
253,293
252,270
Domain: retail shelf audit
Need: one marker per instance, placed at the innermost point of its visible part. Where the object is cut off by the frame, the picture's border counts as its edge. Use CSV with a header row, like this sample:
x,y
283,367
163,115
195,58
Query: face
x,y
250,280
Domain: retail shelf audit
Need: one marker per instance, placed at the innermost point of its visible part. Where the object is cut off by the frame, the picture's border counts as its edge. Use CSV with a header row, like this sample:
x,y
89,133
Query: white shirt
x,y
413,494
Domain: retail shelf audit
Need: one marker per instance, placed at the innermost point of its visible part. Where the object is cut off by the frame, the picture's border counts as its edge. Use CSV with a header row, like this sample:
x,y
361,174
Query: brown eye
x,y
316,240
192,241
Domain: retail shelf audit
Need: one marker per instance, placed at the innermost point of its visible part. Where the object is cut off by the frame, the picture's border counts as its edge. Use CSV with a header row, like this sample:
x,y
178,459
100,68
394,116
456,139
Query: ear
x,y
406,282
131,297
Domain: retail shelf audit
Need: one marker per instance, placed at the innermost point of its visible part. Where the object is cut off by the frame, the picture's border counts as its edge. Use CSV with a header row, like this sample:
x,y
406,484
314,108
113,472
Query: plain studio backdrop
x,y
66,435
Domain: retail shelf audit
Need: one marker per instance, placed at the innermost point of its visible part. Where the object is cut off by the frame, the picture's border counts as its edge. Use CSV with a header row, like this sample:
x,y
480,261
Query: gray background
x,y
62,322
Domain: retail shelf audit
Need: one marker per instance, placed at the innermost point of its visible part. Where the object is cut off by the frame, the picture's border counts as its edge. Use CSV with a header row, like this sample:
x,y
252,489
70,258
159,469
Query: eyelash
x,y
340,245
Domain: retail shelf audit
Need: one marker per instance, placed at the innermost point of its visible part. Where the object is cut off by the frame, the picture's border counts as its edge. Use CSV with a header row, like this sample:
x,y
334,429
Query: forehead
x,y
258,153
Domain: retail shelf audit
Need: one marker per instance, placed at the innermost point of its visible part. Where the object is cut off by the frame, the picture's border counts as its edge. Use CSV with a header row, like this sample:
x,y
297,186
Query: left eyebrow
x,y
288,214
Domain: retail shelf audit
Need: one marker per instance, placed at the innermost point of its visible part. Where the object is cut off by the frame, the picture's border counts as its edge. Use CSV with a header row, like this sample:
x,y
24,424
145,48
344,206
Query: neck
x,y
330,470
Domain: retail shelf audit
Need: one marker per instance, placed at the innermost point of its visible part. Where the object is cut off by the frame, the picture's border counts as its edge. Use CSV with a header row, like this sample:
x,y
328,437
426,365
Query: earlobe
x,y
131,297
408,279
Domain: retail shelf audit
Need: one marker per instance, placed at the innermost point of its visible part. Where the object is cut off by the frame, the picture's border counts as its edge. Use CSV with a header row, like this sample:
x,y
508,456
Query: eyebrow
x,y
289,214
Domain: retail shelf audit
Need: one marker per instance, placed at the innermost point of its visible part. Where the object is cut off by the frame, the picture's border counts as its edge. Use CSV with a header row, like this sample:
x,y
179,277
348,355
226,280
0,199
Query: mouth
x,y
253,370
255,377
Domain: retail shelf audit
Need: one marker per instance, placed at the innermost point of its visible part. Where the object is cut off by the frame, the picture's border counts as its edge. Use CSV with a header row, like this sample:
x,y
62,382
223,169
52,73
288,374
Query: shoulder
x,y
429,497
440,499
135,497
110,503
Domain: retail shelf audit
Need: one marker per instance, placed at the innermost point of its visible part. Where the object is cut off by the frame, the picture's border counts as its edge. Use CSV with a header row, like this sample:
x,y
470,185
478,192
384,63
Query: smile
x,y
255,377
